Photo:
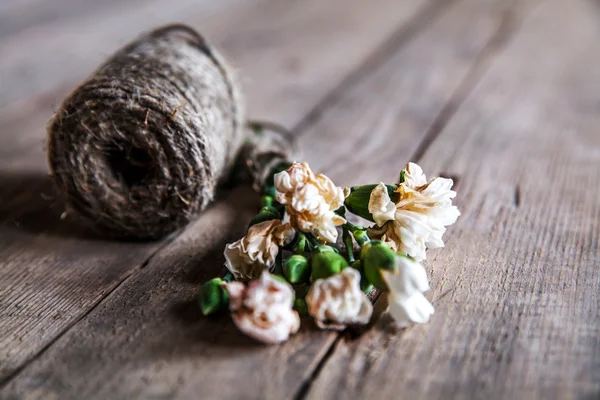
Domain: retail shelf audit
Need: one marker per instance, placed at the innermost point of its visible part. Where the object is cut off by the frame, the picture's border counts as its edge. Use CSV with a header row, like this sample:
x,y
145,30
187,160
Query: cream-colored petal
x,y
265,312
310,201
283,234
414,176
338,301
258,250
422,213
235,290
381,206
239,264
386,234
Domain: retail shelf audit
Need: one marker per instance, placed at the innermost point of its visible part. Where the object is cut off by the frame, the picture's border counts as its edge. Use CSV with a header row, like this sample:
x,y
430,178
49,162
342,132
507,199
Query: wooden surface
x,y
504,97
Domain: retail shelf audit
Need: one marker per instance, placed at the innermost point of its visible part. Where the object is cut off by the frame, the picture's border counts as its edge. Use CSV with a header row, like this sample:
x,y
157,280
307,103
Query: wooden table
x,y
502,96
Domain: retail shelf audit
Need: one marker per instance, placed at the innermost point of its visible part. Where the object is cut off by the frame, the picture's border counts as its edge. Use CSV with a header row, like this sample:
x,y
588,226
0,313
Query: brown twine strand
x,y
139,148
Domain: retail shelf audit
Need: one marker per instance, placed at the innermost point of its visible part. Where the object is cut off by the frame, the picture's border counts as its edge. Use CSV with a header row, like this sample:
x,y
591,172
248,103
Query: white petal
x,y
413,230
409,279
405,310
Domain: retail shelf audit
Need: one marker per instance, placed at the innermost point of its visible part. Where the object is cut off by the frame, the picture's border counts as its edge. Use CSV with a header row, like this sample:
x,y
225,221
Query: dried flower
x,y
256,251
337,301
406,287
310,200
418,219
263,308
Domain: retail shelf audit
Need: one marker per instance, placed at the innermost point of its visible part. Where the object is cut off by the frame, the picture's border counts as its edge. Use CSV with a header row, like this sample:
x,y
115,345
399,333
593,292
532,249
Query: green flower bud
x,y
326,263
301,245
367,246
301,306
325,249
361,237
296,269
270,191
213,297
375,258
357,265
298,244
265,214
266,201
279,277
358,199
365,285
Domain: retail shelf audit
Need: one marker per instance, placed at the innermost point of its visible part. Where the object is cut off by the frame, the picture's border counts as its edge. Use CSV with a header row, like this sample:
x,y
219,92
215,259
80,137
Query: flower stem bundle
x,y
302,256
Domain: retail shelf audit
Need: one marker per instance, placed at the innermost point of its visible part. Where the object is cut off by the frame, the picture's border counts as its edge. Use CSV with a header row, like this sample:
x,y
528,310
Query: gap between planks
x,y
399,37
95,305
372,66
333,98
299,17
523,323
507,29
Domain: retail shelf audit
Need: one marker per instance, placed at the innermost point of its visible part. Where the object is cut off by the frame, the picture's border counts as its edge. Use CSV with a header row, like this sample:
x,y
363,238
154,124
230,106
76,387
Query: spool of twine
x,y
139,148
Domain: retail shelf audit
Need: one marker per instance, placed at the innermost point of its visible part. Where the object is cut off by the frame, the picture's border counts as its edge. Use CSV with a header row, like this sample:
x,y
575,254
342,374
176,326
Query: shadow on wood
x,y
29,203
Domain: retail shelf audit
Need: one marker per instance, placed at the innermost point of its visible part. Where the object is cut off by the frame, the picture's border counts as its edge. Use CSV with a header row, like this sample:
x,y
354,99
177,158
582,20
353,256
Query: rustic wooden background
x,y
503,96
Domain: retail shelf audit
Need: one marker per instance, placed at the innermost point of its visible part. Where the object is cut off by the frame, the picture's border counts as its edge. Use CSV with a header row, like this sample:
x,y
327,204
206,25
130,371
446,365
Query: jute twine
x,y
139,148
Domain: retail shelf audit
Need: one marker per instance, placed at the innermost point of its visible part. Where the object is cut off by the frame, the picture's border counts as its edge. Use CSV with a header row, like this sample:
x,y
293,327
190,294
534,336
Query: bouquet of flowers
x,y
292,262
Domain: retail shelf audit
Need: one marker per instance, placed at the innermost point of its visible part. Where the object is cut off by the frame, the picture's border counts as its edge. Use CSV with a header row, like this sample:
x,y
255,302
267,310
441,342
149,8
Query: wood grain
x,y
51,43
516,288
52,274
147,338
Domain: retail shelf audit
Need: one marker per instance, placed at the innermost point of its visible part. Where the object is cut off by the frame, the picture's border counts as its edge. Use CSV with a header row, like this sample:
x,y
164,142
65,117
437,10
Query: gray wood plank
x,y
147,338
38,15
67,49
51,273
516,288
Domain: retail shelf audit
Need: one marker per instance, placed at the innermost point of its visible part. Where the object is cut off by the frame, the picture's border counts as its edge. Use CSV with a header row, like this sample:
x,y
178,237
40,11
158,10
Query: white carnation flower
x,y
310,201
256,251
263,309
418,219
406,287
337,301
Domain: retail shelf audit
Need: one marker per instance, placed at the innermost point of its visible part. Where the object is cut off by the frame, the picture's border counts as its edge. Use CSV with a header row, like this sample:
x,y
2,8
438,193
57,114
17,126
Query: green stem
x,y
347,237
313,240
279,263
358,232
351,227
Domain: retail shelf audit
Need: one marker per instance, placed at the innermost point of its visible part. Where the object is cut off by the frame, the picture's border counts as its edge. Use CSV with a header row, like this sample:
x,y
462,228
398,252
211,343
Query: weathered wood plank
x,y
66,49
16,16
148,340
61,272
516,288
